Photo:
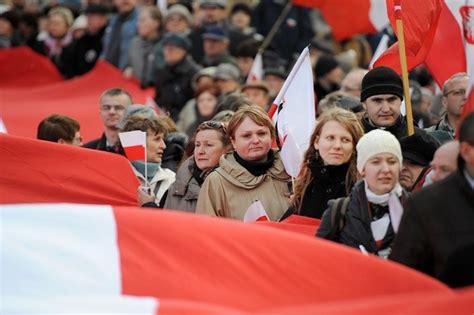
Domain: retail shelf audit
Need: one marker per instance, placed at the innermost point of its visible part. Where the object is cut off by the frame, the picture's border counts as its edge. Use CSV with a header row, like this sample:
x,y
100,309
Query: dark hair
x,y
143,123
466,130
56,127
214,125
116,92
211,88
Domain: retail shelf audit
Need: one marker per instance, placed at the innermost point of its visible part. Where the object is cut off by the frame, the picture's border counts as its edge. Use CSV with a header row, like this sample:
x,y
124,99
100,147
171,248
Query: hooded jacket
x,y
231,189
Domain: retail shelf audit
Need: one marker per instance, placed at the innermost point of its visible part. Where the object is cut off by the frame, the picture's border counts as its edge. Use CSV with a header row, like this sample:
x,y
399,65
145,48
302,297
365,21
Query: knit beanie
x,y
381,80
324,65
375,142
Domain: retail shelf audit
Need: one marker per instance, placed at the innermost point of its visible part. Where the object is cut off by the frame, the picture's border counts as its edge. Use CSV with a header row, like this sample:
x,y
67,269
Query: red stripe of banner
x,y
135,152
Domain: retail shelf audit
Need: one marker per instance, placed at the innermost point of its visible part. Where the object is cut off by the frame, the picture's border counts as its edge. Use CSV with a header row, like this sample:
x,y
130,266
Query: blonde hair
x,y
64,12
352,124
255,113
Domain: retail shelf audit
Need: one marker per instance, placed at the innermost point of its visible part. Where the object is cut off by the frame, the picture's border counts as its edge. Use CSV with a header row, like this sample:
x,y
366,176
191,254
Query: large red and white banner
x,y
348,17
68,258
35,171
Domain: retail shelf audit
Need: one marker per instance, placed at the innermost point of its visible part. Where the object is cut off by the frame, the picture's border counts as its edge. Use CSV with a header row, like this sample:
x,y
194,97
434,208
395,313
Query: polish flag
x,y
256,212
97,259
420,22
293,112
256,72
134,144
348,17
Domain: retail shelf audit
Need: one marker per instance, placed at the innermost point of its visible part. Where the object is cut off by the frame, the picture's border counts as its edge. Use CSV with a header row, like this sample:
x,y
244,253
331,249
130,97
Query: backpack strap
x,y
338,215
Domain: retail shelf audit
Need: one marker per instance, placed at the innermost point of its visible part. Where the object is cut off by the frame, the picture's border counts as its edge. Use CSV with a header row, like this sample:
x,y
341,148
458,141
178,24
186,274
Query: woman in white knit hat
x,y
370,218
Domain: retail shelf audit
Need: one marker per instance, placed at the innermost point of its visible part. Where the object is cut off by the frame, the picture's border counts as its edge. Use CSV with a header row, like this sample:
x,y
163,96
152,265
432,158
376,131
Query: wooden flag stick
x,y
275,27
403,64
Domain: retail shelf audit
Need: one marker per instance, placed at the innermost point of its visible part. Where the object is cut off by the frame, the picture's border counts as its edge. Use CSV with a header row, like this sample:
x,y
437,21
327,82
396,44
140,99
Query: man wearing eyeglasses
x,y
113,103
454,99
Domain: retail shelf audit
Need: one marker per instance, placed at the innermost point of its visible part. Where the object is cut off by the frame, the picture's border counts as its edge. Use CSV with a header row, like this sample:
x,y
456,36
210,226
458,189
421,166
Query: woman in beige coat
x,y
253,171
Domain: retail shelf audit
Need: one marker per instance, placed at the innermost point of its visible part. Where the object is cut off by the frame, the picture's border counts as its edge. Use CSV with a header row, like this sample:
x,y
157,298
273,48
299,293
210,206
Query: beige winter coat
x,y
231,189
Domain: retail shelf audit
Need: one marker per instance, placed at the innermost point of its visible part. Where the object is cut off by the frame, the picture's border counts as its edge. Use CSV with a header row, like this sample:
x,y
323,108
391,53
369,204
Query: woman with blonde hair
x,y
329,165
253,171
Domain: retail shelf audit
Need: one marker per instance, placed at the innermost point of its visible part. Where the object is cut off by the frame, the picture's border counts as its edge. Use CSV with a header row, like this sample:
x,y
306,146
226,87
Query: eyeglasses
x,y
457,93
117,108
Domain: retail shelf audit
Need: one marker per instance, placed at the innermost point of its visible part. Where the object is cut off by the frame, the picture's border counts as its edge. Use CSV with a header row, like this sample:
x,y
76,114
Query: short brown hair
x,y
56,127
255,113
144,123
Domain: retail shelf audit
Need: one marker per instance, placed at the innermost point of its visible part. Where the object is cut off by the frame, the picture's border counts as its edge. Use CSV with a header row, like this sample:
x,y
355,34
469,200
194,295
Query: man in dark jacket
x,y
82,54
173,81
436,234
382,95
113,103
214,13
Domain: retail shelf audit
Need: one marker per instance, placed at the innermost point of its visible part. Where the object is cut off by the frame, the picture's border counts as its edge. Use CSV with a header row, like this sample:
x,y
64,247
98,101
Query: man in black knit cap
x,y
382,95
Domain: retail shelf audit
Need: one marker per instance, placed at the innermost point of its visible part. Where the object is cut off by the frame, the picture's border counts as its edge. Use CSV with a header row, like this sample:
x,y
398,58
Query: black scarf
x,y
256,168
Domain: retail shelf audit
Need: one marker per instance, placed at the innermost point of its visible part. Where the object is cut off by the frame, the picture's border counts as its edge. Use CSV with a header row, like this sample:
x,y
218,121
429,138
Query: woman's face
x,y
251,141
147,26
176,24
335,144
208,148
206,104
381,172
57,26
155,146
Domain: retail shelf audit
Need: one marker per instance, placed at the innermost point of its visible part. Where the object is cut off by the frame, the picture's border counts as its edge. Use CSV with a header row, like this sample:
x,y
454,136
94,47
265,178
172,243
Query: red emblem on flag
x,y
467,14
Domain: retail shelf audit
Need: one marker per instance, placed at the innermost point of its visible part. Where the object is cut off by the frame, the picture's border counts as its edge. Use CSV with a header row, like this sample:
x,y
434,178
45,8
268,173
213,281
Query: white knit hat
x,y
375,142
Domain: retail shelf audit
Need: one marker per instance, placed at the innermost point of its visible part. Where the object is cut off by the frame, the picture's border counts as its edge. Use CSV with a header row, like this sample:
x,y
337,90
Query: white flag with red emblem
x,y
293,111
256,212
134,144
256,72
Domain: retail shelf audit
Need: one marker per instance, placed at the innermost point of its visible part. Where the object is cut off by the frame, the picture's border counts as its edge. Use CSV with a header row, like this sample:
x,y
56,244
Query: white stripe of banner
x,y
82,305
58,249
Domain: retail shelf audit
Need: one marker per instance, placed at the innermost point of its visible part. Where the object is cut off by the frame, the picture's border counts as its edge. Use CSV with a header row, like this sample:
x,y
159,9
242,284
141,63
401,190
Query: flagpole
x,y
275,27
404,67
146,170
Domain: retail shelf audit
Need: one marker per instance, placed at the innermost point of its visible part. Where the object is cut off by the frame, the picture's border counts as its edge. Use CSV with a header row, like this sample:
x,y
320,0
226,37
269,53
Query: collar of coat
x,y
236,174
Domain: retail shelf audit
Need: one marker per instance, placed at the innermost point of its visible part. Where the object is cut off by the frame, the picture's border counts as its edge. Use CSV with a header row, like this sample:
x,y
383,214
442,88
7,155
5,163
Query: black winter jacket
x,y
173,85
357,230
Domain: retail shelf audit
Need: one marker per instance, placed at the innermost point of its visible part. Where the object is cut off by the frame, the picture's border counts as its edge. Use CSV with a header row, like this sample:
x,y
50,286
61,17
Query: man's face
x,y
95,22
245,64
275,83
213,47
351,84
383,109
112,109
445,161
409,174
212,14
257,96
173,54
227,86
455,97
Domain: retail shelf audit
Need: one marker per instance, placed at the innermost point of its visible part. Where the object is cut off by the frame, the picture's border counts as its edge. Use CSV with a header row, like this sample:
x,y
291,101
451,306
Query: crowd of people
x,y
210,149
